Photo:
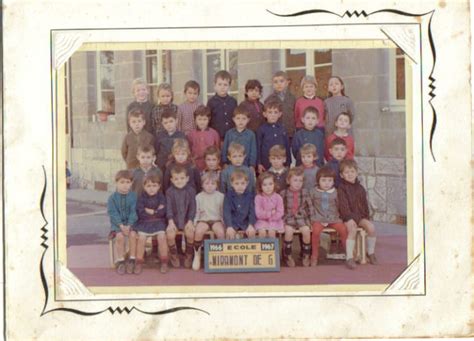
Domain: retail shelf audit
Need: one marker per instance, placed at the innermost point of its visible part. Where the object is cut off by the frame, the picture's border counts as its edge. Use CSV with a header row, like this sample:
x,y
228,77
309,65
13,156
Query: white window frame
x,y
98,82
224,59
395,104
160,76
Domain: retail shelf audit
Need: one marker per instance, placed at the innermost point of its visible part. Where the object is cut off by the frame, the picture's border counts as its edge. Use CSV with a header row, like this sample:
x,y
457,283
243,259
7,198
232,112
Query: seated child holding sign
x,y
268,207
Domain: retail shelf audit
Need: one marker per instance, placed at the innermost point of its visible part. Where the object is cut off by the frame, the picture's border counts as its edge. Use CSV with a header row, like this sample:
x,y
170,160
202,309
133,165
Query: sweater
x,y
163,144
121,209
288,117
310,177
349,139
191,171
298,208
247,139
222,109
326,207
139,175
269,211
255,108
130,145
158,111
269,135
352,200
199,140
302,103
209,207
334,105
239,209
186,116
280,177
151,223
180,205
227,172
314,137
147,109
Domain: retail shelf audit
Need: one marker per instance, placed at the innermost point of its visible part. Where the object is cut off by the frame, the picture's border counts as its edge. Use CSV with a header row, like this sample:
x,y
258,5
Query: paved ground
x,y
88,256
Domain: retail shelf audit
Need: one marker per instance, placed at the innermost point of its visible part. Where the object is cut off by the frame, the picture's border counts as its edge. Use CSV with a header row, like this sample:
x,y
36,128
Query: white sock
x,y
132,258
371,245
350,244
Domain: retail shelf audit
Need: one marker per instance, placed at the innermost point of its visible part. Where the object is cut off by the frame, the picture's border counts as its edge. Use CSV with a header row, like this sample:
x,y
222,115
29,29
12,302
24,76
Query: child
x,y
146,159
308,156
336,103
181,156
241,135
343,124
239,206
326,211
270,134
209,214
269,208
253,92
212,161
136,137
142,103
165,138
354,210
180,212
281,93
151,209
309,98
202,137
121,208
277,157
309,134
186,117
165,103
338,151
222,105
236,155
298,213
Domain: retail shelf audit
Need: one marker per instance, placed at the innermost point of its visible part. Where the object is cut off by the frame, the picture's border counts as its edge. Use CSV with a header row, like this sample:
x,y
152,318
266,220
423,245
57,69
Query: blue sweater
x,y
222,109
247,139
334,164
121,209
227,172
314,137
239,209
269,135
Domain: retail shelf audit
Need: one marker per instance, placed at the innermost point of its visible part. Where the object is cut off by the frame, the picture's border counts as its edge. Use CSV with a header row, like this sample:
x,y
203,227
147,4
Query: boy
x,y
136,137
121,208
308,156
298,214
270,134
241,135
165,138
338,151
142,103
253,92
236,155
354,210
186,117
277,157
212,161
288,100
239,206
180,212
309,134
146,158
222,105
202,137
343,124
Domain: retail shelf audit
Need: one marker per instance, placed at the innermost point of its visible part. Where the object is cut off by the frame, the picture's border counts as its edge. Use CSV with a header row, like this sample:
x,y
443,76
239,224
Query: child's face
x,y
141,93
335,87
240,122
279,83
237,158
181,155
309,89
145,159
343,122
295,182
169,124
136,123
349,174
212,162
179,180
221,86
268,186
307,159
338,152
123,185
277,162
209,186
151,188
326,183
239,185
253,94
310,120
191,95
164,97
202,122
272,115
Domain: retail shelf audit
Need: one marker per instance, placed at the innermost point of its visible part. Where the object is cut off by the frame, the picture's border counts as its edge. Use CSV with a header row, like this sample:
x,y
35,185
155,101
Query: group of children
x,y
226,167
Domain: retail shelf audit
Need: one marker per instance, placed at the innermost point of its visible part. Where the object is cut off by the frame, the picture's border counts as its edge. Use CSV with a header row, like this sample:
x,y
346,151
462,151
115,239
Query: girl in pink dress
x,y
269,208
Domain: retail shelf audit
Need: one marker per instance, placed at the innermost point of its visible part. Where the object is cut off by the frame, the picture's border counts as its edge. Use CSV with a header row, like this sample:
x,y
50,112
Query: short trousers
x,y
146,234
209,222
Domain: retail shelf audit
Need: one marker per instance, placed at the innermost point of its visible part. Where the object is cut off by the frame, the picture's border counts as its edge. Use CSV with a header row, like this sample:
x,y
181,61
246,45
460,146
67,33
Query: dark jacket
x,y
255,108
288,110
269,135
222,109
191,171
314,137
163,144
180,205
239,209
352,199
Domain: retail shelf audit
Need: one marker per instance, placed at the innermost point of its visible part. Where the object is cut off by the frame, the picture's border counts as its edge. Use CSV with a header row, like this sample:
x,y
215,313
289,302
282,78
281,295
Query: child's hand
x,y
261,169
125,229
161,207
172,225
149,211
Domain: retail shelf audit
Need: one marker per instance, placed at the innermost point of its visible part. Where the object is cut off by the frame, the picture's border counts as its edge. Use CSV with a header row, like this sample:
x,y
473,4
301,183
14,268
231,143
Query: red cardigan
x,y
302,103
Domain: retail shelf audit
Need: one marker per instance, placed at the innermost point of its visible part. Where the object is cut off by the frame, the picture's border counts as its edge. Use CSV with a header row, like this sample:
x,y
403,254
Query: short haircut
x,y
212,150
136,113
210,176
193,85
277,151
164,86
178,169
344,113
347,164
311,109
223,74
274,103
146,149
202,110
239,174
154,178
136,82
123,174
308,148
280,74
325,172
168,113
308,79
262,177
252,84
235,147
295,171
241,110
337,141
180,144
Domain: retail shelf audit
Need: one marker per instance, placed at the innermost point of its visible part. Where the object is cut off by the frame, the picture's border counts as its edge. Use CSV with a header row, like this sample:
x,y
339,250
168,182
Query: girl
x,y
336,103
181,156
268,207
309,98
253,92
151,210
164,93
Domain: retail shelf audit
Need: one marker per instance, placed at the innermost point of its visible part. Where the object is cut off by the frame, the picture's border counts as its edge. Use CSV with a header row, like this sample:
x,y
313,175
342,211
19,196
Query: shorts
x,y
146,234
209,223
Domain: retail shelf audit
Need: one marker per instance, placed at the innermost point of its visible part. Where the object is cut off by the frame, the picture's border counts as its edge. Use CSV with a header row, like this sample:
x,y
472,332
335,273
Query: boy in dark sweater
x,y
338,151
309,134
140,93
354,211
165,139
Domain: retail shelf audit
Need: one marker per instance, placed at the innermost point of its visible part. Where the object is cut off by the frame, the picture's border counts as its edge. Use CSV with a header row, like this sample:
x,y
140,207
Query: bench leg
x,y
112,253
363,259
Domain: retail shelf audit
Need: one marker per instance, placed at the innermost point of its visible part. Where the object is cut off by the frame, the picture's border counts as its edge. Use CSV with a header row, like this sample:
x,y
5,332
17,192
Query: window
x,y
215,60
397,79
155,75
400,74
105,81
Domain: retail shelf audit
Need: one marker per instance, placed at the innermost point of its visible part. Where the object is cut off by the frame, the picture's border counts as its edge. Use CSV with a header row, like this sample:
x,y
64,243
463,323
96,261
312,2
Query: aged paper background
x,y
444,310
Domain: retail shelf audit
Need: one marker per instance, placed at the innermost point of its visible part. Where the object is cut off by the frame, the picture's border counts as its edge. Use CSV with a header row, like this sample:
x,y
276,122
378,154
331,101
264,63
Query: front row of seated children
x,y
296,208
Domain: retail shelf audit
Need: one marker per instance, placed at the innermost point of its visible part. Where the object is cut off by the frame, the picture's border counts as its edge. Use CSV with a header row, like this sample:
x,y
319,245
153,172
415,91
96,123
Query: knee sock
x,y
287,247
350,244
173,249
306,249
189,248
197,244
371,245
